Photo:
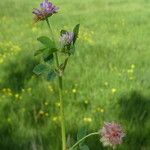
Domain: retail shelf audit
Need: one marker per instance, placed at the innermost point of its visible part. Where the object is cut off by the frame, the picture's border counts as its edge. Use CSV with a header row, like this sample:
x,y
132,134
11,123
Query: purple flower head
x,y
112,134
46,10
66,38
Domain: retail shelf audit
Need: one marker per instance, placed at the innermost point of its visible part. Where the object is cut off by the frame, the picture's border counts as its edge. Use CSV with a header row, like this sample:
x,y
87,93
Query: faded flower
x,y
111,134
66,38
46,10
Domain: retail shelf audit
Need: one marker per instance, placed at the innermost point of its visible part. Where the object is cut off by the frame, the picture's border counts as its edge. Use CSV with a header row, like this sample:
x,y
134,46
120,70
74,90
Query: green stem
x,y
56,56
63,130
50,29
78,142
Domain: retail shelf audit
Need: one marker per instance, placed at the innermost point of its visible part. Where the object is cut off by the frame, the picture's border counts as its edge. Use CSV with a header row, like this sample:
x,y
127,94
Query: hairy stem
x,y
78,142
63,130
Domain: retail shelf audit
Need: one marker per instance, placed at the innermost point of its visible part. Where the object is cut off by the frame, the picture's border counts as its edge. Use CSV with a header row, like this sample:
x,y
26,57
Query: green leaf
x,y
40,51
63,32
76,32
51,75
72,49
81,133
48,54
40,69
84,147
46,41
48,58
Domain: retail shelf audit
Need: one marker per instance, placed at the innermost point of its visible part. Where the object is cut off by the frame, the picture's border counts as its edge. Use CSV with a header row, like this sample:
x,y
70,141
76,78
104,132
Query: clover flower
x,y
112,134
46,10
67,38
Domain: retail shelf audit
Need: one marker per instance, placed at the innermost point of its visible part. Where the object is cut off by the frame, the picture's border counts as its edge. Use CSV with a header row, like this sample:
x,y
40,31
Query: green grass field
x,y
108,78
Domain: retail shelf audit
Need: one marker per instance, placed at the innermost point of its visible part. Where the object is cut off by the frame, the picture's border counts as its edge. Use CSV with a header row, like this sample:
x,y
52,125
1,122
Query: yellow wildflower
x,y
41,112
46,114
87,119
74,90
102,110
86,102
34,29
46,103
132,66
50,88
57,104
106,83
1,60
113,90
4,90
130,70
55,119
17,95
29,89
131,78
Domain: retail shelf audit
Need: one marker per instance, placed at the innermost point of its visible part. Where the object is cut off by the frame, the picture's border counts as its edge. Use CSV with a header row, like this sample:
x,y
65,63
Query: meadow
x,y
107,79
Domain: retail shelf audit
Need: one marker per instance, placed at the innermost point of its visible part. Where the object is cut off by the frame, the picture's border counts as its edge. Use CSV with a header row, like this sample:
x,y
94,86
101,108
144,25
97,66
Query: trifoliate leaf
x,y
40,69
51,75
48,54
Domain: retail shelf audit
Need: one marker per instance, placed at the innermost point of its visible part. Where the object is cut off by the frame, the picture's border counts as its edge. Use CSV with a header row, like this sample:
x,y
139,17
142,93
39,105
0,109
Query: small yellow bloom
x,y
29,89
4,90
1,60
113,90
50,88
132,66
34,29
86,102
92,32
16,95
87,119
46,103
46,114
41,112
102,110
130,70
9,93
131,78
57,104
74,90
9,90
55,119
23,90
106,83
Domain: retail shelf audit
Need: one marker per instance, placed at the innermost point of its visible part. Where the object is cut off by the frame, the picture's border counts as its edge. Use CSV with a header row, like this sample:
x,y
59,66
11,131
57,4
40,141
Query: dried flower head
x,y
66,38
112,134
46,10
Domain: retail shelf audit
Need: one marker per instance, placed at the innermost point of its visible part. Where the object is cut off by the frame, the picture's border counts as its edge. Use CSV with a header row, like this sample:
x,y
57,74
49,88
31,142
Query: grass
x,y
108,73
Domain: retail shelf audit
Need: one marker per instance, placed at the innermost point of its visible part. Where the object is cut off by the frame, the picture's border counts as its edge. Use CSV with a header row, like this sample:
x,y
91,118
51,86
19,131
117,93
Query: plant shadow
x,y
135,113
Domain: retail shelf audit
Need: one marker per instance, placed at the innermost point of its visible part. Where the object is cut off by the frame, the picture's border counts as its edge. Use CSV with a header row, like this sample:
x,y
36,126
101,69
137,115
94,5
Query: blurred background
x,y
108,78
